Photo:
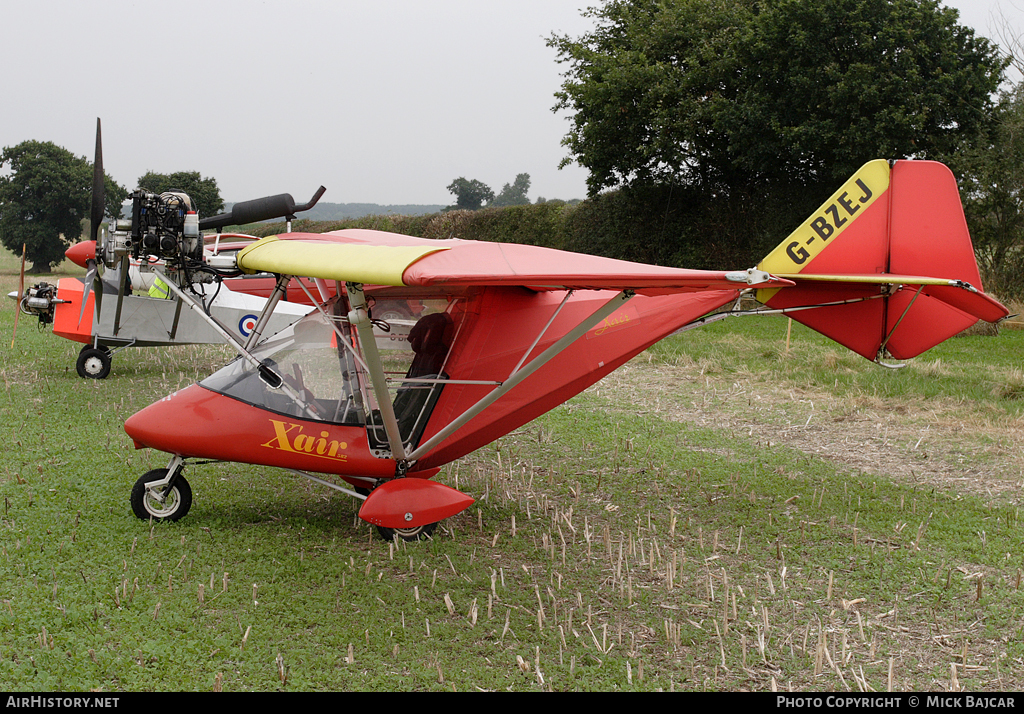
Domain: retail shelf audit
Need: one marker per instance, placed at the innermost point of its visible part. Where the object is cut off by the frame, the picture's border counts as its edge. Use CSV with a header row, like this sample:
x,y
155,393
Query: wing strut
x,y
268,309
518,375
881,348
360,318
271,378
540,334
210,319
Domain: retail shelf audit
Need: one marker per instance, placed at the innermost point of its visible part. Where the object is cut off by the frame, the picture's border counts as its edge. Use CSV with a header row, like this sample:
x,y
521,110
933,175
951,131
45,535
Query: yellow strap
x,y
879,279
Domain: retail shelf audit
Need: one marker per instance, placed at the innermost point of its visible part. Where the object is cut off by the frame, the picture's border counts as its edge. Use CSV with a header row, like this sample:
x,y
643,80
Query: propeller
x,y
121,288
92,275
21,293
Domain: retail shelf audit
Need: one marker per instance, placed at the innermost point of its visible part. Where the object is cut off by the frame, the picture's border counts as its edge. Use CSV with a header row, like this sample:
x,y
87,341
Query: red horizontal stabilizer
x,y
858,258
972,302
411,502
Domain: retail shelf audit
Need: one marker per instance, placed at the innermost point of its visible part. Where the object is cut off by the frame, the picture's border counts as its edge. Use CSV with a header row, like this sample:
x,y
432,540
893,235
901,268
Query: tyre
x,y
394,311
410,534
146,505
93,362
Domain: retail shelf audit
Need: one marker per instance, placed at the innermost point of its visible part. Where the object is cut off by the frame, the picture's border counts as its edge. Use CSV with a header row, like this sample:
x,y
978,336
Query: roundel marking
x,y
246,324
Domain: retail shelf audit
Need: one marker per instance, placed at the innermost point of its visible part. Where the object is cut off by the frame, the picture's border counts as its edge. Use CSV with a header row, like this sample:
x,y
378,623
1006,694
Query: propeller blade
x,y
96,214
122,283
92,275
92,281
21,295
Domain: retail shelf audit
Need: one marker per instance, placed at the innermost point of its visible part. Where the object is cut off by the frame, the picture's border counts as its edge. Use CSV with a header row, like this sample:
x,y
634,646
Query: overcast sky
x,y
381,102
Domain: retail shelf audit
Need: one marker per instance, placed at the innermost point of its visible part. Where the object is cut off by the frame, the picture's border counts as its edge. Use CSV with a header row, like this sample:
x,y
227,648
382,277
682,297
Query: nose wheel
x,y
407,534
167,502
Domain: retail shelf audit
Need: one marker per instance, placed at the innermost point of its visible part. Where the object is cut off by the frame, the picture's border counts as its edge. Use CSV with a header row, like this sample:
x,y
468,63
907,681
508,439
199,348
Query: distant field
x,y
729,511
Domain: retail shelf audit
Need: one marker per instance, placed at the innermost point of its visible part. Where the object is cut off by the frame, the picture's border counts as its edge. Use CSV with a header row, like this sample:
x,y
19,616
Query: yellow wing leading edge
x,y
347,262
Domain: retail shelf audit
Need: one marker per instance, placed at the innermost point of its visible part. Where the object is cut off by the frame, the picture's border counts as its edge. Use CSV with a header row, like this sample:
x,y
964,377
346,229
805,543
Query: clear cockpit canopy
x,y
322,371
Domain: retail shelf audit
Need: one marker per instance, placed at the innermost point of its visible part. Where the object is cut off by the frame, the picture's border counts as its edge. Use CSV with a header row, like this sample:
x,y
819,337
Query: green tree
x,y
732,95
470,195
514,194
45,198
993,195
203,191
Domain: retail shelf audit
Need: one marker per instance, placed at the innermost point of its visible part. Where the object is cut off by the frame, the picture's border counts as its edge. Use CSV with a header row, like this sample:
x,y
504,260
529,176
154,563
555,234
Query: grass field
x,y
726,512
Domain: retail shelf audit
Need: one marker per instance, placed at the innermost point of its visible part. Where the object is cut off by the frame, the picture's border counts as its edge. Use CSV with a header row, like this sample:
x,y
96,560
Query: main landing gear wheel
x,y
93,362
410,534
146,505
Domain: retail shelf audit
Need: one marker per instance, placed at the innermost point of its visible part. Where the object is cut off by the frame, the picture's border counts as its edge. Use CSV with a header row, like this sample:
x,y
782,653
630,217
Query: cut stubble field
x,y
729,511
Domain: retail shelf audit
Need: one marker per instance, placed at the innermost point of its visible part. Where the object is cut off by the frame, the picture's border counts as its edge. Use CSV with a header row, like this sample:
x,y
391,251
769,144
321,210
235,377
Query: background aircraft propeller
x,y
92,275
21,293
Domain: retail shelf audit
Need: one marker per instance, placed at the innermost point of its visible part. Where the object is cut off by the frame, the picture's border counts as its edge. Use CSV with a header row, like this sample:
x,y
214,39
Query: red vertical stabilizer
x,y
889,262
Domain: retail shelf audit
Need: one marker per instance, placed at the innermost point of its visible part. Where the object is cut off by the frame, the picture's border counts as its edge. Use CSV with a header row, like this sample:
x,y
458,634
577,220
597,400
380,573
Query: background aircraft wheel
x,y
391,315
93,362
146,506
410,534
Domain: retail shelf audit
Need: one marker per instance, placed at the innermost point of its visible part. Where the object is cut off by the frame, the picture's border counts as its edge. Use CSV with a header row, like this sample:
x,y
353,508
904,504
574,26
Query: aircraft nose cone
x,y
150,427
81,252
194,422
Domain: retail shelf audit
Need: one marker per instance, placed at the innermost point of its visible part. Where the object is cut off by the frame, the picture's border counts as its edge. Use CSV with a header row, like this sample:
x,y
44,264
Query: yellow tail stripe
x,y
827,223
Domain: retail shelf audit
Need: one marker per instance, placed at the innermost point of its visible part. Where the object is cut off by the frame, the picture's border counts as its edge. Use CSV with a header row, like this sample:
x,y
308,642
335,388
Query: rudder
x,y
886,265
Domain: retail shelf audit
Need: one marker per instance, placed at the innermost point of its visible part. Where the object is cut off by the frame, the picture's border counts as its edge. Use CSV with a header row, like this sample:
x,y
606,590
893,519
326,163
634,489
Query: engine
x,y
167,227
39,300
164,225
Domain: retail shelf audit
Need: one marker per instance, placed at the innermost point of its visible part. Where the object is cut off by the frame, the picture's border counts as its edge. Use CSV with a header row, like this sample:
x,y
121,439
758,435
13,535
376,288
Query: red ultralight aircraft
x,y
508,332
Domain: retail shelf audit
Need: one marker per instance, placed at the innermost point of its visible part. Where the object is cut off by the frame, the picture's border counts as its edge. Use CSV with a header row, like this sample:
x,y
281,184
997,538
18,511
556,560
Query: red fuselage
x,y
496,326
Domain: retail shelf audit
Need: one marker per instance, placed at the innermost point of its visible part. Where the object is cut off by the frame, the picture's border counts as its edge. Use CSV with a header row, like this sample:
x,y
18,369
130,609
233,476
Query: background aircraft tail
x,y
886,265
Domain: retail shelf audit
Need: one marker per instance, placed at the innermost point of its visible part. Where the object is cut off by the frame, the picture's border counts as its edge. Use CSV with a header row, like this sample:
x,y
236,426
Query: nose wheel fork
x,y
162,494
